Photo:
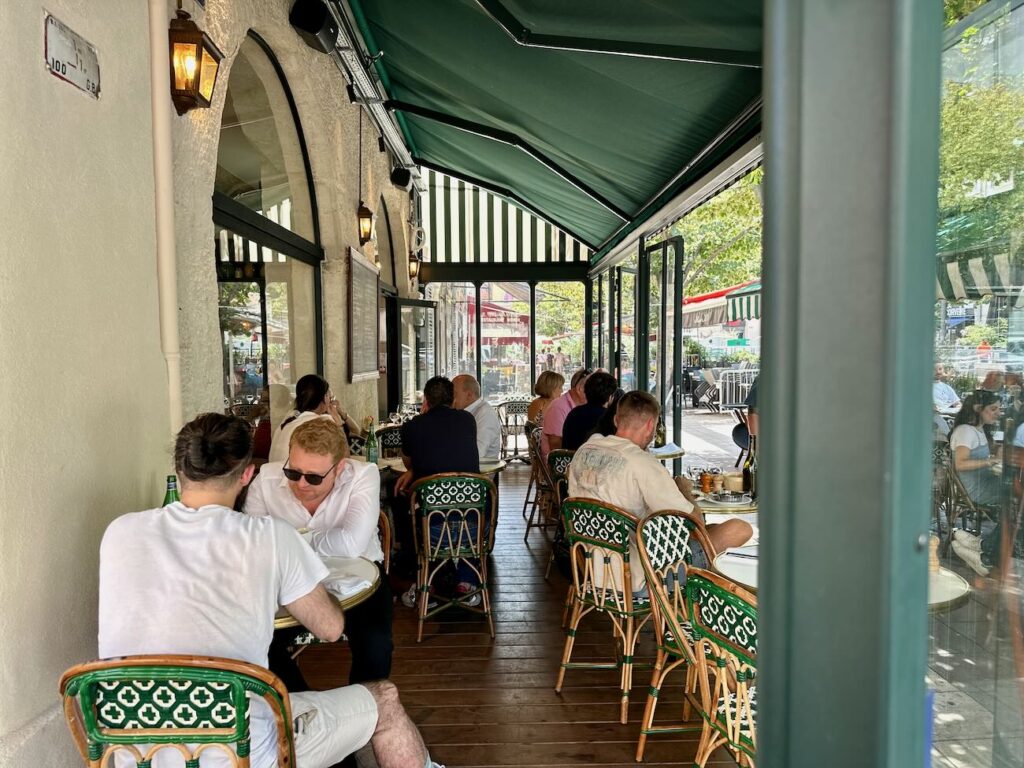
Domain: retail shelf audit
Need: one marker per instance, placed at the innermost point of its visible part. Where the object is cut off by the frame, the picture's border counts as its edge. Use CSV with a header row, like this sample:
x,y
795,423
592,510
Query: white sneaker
x,y
410,598
970,556
968,540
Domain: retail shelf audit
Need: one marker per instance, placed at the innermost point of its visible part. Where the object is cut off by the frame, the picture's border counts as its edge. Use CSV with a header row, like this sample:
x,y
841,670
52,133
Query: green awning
x,y
745,303
591,140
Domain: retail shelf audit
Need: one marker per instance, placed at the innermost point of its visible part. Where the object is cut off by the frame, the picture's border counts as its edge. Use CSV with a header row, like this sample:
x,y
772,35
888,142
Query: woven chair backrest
x,y
664,540
127,702
356,445
390,438
598,535
724,613
558,470
462,504
514,411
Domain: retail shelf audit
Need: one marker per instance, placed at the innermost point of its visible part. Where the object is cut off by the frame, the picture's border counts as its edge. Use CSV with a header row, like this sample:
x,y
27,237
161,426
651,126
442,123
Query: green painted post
x,y
851,156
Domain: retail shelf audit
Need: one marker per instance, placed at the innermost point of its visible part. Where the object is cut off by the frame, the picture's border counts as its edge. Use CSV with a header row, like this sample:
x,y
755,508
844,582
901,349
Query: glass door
x,y
412,327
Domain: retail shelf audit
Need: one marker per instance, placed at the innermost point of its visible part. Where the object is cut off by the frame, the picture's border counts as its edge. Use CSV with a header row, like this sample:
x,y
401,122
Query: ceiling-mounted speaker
x,y
313,21
401,177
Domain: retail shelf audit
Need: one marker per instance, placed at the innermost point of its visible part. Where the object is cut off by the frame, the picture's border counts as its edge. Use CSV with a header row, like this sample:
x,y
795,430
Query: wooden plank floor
x,y
483,702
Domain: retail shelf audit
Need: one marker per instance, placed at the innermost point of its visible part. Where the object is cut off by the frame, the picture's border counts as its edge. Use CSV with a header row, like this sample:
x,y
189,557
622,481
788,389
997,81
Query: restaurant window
x,y
456,328
976,633
265,245
505,340
560,322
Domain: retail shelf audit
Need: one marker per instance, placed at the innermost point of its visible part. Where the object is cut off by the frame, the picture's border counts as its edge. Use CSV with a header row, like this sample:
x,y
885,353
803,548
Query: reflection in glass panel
x,y
456,310
560,328
267,321
259,159
976,635
625,329
656,333
505,340
416,328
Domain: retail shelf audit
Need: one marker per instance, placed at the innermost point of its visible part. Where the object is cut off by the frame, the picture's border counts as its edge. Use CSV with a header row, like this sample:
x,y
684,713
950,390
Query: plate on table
x,y
727,499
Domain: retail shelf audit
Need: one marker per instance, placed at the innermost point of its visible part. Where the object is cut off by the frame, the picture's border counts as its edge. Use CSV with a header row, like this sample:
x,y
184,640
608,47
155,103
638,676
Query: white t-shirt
x,y
968,436
205,582
488,429
943,395
282,436
345,523
615,470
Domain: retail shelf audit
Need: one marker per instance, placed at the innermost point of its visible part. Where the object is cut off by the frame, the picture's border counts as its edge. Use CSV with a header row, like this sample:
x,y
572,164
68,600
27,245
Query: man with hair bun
x,y
341,510
618,469
197,578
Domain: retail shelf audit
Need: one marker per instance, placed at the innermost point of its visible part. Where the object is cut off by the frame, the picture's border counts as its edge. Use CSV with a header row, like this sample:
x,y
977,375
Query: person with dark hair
x,y
313,399
583,419
619,470
440,439
197,578
974,460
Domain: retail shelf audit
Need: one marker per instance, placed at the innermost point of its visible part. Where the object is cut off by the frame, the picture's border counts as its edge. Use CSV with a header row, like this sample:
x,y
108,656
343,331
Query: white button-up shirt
x,y
345,523
488,429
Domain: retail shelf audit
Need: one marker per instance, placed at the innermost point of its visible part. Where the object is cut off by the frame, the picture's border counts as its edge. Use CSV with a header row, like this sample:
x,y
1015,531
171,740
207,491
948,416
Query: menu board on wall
x,y
363,290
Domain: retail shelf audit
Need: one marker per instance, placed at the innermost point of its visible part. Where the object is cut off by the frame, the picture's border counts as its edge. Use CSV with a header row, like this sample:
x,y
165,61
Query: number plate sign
x,y
71,57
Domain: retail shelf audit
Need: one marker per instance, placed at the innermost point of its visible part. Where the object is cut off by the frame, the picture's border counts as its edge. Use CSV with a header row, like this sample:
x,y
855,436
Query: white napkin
x,y
345,585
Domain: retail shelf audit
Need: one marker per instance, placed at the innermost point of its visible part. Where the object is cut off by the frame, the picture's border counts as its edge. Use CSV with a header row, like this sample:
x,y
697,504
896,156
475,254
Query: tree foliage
x,y
722,238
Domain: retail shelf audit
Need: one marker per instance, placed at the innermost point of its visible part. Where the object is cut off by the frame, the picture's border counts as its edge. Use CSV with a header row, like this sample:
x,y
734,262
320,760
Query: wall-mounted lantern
x,y
195,62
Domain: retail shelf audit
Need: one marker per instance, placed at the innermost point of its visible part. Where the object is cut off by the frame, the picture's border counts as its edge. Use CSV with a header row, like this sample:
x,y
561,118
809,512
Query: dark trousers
x,y
368,629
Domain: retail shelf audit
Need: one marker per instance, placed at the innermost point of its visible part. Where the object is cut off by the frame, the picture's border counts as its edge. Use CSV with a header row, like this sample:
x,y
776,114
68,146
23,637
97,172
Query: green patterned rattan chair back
x,y
724,613
462,504
664,540
390,441
133,704
598,535
558,470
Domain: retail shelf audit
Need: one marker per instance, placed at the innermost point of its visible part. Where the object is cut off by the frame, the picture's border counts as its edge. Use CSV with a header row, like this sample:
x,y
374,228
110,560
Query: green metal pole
x,y
851,155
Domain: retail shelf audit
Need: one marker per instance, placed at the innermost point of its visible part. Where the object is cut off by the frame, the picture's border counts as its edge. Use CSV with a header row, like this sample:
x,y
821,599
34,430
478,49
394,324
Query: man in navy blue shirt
x,y
440,439
582,419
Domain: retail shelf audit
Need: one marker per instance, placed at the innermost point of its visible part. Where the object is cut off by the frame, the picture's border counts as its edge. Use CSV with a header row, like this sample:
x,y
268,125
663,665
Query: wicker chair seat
x,y
728,710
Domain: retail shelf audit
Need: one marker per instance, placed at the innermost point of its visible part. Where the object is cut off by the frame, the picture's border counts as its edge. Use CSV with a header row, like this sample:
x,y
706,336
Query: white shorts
x,y
330,725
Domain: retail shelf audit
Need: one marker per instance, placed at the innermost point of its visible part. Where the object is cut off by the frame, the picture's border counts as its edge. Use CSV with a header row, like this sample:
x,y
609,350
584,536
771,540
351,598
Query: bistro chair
x,y
356,445
723,617
513,424
665,540
390,441
541,506
599,541
558,470
187,704
961,505
528,499
463,510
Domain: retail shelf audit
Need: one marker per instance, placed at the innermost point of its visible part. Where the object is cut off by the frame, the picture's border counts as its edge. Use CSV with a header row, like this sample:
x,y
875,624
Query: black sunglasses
x,y
294,475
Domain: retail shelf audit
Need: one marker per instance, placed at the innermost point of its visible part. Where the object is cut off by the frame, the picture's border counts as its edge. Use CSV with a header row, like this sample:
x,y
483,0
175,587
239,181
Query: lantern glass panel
x,y
185,59
207,76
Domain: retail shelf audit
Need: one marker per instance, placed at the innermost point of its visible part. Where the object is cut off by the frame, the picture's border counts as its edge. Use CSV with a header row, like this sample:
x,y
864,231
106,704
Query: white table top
x,y
946,589
353,569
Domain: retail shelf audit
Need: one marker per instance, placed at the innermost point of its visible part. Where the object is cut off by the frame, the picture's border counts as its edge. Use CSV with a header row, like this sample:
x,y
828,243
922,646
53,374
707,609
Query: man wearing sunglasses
x,y
337,500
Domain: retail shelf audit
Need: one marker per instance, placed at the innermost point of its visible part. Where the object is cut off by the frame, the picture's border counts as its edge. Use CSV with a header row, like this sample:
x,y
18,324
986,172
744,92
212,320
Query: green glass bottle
x,y
371,446
659,435
172,490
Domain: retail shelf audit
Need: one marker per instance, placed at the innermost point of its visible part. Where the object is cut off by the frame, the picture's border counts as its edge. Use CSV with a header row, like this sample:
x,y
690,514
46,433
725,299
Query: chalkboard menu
x,y
363,289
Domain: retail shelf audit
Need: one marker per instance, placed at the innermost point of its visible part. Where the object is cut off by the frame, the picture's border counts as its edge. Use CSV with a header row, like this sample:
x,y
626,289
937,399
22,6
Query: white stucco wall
x,y
83,394
330,128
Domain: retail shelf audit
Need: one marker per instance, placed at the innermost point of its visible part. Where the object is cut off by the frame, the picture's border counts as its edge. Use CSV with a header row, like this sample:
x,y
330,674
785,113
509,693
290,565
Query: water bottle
x,y
171,495
371,446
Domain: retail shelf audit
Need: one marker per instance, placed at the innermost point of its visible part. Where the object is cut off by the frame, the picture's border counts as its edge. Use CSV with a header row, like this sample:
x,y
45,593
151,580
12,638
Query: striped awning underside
x,y
962,277
704,313
465,224
745,307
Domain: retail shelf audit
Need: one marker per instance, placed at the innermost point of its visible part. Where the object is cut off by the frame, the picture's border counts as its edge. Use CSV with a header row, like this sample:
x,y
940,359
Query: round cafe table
x,y
710,507
946,589
351,569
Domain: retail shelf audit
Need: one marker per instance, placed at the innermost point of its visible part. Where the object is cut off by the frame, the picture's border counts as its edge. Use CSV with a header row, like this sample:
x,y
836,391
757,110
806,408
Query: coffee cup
x,y
733,482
